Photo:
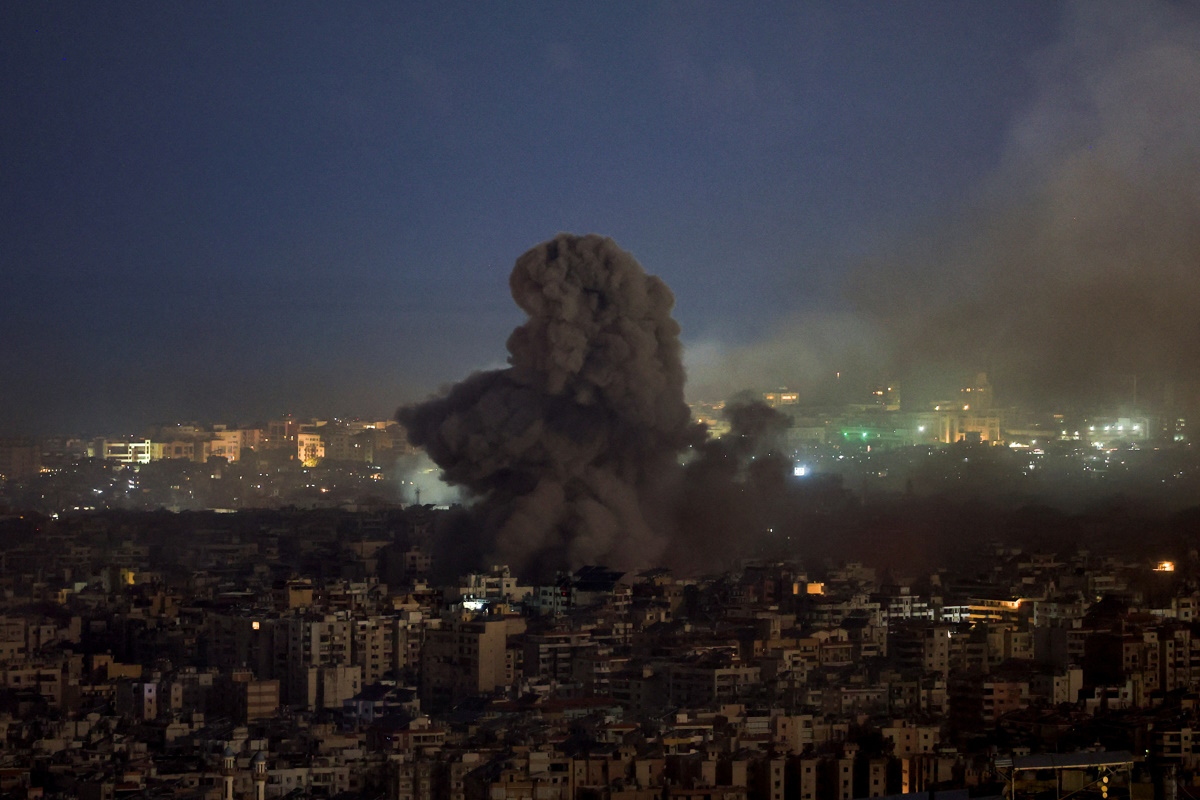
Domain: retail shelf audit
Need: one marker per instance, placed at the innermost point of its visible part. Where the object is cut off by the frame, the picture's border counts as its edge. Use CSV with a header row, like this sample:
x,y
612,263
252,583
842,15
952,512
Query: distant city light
x,y
800,470
1165,566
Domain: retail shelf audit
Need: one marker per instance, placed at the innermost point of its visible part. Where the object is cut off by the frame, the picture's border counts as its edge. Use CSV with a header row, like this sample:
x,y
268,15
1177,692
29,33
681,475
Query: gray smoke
x,y
1091,271
1074,268
570,449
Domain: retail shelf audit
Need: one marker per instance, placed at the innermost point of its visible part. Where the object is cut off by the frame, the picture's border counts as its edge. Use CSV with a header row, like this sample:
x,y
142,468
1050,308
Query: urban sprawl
x,y
221,612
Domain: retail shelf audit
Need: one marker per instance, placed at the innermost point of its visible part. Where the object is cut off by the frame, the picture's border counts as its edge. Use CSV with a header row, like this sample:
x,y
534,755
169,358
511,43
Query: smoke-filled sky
x,y
229,210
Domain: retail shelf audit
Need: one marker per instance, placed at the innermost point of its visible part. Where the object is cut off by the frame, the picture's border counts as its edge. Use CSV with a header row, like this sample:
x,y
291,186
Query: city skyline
x,y
223,210
669,400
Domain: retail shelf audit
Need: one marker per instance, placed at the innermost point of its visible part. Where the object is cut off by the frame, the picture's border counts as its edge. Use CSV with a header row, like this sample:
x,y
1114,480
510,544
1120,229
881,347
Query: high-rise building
x,y
461,659
304,645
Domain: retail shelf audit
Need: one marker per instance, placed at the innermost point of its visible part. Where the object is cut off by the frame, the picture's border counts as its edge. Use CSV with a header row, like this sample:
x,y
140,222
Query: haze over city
x,y
665,400
231,212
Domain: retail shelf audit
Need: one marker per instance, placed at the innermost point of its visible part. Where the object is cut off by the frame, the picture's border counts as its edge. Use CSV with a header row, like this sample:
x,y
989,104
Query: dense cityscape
x,y
871,447
651,400
260,611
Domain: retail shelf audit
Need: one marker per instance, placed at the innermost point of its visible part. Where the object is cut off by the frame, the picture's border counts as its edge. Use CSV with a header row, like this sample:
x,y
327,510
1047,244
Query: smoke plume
x,y
1072,269
570,449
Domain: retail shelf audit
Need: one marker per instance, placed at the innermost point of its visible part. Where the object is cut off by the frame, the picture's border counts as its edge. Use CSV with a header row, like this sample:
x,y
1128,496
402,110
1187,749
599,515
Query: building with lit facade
x,y
781,397
125,452
309,447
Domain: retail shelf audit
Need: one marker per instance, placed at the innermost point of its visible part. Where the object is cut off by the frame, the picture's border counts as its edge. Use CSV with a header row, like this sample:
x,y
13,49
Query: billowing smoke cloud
x,y
571,448
1074,269
734,492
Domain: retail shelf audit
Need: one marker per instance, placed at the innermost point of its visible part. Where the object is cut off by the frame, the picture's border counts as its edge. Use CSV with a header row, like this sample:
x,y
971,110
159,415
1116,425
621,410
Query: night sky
x,y
231,211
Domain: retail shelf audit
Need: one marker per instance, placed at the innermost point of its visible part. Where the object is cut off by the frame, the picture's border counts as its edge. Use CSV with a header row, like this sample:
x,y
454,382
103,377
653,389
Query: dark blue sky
x,y
230,210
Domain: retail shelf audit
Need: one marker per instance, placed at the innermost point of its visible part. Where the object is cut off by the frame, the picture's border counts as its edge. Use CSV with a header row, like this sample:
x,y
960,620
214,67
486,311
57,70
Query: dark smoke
x,y
735,492
572,448
755,429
